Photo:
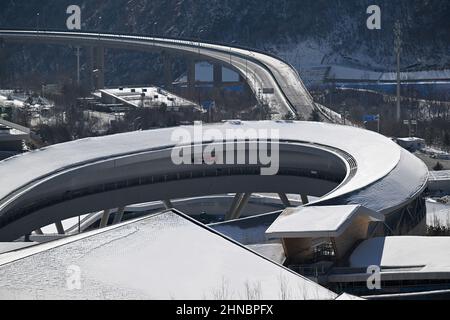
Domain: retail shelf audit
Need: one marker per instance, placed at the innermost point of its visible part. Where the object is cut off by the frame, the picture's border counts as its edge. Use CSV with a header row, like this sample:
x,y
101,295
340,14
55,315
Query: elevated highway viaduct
x,y
272,80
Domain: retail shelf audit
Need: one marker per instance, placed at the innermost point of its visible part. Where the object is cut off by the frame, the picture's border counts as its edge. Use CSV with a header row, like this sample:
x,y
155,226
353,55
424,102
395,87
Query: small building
x,y
309,233
411,144
409,267
147,97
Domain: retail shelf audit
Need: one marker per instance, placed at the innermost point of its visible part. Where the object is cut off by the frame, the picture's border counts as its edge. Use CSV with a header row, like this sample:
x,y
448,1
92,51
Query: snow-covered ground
x,y
4,102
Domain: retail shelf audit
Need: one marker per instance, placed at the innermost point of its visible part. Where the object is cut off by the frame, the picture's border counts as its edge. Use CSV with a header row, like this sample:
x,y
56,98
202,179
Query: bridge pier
x,y
96,62
217,75
3,61
191,76
168,72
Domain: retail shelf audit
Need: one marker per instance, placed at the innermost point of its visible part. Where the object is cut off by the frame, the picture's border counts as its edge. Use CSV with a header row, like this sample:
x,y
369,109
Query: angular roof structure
x,y
164,256
318,222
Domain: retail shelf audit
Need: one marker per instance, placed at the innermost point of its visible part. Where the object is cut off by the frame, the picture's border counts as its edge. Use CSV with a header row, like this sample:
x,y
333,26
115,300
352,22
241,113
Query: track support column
x,y
239,203
105,218
305,199
285,200
60,228
119,215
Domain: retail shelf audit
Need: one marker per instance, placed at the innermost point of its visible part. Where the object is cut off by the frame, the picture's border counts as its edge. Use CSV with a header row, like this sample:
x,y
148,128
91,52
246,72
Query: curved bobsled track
x,y
339,164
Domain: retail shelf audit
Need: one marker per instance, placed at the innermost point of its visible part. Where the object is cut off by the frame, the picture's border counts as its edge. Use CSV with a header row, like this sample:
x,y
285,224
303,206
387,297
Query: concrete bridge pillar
x,y
218,77
96,61
3,62
168,72
191,76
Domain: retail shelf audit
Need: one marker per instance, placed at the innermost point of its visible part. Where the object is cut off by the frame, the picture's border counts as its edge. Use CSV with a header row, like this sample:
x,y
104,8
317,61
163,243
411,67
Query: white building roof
x,y
153,96
318,222
165,256
420,254
440,175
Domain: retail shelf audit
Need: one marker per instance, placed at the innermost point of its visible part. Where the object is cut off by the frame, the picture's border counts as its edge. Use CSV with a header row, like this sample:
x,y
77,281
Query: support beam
x,y
305,199
168,71
168,204
242,204
105,218
119,215
237,199
39,232
60,228
285,200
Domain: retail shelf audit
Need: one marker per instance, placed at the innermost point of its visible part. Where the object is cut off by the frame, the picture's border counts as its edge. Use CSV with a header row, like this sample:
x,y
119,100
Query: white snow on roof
x,y
151,96
166,256
429,253
317,222
272,251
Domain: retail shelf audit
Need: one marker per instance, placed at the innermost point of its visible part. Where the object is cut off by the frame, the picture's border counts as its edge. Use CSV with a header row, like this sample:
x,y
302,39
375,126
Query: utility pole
x,y
398,50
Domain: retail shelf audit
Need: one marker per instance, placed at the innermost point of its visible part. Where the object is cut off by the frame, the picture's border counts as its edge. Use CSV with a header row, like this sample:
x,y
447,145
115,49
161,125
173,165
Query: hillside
x,y
306,32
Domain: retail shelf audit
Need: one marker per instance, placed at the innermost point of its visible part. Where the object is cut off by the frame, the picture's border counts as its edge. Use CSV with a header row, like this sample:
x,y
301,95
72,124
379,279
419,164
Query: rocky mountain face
x,y
304,32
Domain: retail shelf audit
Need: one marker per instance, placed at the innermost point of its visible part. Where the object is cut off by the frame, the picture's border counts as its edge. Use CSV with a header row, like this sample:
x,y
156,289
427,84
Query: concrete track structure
x,y
340,165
